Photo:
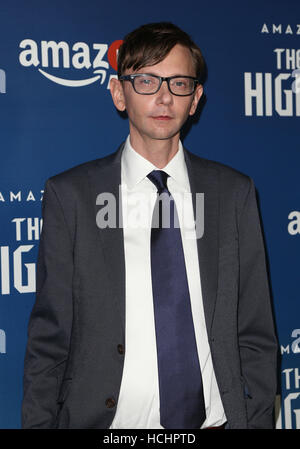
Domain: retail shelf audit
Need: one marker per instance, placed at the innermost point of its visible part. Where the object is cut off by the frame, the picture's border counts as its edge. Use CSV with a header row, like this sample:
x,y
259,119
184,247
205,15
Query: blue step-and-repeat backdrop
x,y
56,61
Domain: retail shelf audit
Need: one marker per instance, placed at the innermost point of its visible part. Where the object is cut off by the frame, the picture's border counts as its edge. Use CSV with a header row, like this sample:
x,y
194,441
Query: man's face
x,y
159,116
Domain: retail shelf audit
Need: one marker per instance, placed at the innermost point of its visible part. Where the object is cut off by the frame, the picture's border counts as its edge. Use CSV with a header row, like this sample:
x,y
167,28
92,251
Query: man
x,y
151,326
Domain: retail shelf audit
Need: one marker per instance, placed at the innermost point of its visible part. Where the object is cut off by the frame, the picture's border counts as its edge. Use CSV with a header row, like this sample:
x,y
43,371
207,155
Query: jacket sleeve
x,y
257,339
51,318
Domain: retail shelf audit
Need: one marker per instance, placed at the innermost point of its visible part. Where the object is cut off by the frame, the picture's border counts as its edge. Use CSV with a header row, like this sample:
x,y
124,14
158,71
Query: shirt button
x,y
110,403
120,349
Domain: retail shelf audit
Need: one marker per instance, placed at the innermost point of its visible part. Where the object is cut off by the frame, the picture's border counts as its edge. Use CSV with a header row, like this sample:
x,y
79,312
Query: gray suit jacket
x,y
76,334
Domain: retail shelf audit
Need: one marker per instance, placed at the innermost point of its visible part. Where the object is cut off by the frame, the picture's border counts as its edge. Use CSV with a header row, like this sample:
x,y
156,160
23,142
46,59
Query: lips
x,y
162,117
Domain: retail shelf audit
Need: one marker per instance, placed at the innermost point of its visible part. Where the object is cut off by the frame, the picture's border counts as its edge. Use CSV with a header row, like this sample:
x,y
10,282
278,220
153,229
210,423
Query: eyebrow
x,y
170,76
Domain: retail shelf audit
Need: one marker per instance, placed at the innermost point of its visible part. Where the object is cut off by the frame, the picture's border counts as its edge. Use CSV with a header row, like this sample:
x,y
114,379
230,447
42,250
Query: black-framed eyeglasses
x,y
148,84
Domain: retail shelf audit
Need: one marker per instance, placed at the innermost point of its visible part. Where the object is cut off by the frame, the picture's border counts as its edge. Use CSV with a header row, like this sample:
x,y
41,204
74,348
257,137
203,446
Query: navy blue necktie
x,y
180,383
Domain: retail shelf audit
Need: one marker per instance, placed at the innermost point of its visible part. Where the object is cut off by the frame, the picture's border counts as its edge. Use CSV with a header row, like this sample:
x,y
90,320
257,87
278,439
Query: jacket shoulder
x,y
229,177
77,176
233,185
221,168
79,172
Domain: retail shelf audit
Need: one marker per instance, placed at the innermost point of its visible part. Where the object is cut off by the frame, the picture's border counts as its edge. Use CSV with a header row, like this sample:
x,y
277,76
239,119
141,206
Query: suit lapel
x,y
204,179
105,176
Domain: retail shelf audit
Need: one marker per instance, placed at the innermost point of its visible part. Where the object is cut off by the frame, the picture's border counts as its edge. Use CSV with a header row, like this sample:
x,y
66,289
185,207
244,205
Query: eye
x,y
180,83
145,83
146,80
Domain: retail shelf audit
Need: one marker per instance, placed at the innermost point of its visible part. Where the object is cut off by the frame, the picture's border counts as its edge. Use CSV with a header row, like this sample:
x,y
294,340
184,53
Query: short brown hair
x,y
150,44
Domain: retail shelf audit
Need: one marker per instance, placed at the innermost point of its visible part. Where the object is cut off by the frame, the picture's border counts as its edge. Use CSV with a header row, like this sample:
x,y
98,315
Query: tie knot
x,y
159,179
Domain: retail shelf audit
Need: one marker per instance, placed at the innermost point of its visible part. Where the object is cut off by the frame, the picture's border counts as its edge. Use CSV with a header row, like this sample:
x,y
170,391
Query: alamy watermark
x,y
2,342
137,211
2,82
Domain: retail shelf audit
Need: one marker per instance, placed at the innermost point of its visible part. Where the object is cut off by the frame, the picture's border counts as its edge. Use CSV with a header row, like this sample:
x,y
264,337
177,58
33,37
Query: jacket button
x,y
110,403
121,349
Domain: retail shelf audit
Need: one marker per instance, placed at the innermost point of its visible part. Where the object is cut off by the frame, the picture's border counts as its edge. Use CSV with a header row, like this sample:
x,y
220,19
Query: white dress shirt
x,y
138,404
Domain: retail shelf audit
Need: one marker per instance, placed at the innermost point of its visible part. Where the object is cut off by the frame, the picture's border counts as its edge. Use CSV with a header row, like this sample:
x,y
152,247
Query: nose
x,y
164,95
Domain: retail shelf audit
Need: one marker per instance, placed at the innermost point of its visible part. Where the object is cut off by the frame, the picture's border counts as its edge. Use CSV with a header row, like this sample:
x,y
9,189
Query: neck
x,y
157,151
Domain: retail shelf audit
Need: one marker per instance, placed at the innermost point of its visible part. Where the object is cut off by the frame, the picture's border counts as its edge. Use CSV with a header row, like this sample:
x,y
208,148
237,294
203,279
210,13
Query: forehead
x,y
178,61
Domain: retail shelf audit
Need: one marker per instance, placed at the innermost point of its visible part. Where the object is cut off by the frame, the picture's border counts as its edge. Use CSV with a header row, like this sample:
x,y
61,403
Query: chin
x,y
163,134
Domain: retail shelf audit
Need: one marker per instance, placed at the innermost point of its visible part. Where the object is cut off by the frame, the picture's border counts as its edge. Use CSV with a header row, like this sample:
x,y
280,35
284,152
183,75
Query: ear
x,y
117,93
197,95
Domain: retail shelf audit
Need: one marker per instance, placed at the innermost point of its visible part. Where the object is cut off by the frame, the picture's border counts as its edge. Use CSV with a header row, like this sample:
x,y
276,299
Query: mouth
x,y
162,117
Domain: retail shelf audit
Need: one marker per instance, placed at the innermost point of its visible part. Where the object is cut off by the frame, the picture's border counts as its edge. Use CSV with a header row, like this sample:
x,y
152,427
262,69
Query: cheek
x,y
187,109
137,106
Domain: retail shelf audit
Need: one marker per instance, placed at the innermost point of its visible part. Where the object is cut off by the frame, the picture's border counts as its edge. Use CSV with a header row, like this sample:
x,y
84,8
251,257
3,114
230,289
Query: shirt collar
x,y
135,167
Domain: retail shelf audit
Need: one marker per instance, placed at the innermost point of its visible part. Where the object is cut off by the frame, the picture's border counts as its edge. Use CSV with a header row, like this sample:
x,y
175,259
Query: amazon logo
x,y
54,60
